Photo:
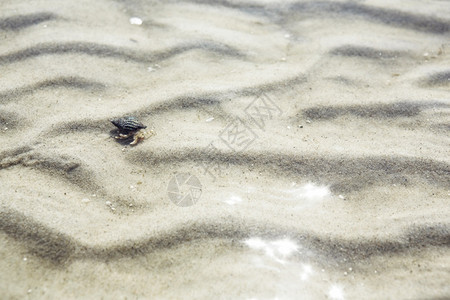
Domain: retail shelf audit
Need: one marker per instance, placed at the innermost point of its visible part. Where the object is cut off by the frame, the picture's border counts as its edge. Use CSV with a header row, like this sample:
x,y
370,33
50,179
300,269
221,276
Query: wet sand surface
x,y
318,132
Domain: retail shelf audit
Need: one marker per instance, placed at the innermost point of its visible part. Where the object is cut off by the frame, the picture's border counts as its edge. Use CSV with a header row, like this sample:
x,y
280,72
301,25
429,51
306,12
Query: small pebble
x,y
29,291
341,197
85,200
209,119
24,259
135,21
108,202
308,121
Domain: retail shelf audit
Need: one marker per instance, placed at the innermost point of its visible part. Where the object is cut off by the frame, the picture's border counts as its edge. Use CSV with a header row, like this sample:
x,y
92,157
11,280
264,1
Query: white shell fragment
x,y
135,21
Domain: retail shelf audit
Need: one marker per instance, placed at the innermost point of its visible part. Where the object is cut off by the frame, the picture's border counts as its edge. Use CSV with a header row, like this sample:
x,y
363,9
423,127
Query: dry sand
x,y
340,192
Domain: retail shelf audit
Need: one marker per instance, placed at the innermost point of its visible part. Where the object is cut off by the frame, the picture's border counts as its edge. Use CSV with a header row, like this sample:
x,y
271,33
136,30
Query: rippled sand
x,y
318,130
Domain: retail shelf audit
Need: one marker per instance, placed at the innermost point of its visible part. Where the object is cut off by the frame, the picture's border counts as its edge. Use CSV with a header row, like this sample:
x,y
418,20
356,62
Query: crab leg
x,y
122,136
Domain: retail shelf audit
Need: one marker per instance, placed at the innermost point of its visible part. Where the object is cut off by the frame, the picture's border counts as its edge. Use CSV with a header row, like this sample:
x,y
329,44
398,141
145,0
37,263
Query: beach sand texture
x,y
318,130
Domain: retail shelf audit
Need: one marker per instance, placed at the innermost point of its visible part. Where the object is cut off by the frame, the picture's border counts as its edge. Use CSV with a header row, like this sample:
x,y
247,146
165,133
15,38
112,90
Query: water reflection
x,y
306,272
293,277
233,200
300,195
288,261
336,292
278,250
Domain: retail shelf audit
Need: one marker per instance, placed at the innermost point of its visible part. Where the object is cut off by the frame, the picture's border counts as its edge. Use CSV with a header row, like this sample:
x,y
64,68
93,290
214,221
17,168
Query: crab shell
x,y
128,124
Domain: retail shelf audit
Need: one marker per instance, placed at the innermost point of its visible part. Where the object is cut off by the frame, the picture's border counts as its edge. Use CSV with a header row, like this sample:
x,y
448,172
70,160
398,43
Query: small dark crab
x,y
131,127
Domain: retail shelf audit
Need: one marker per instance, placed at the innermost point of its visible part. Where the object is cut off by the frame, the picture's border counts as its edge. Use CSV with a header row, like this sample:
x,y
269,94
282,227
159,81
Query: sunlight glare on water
x,y
232,200
309,191
285,247
277,250
336,292
301,196
306,272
